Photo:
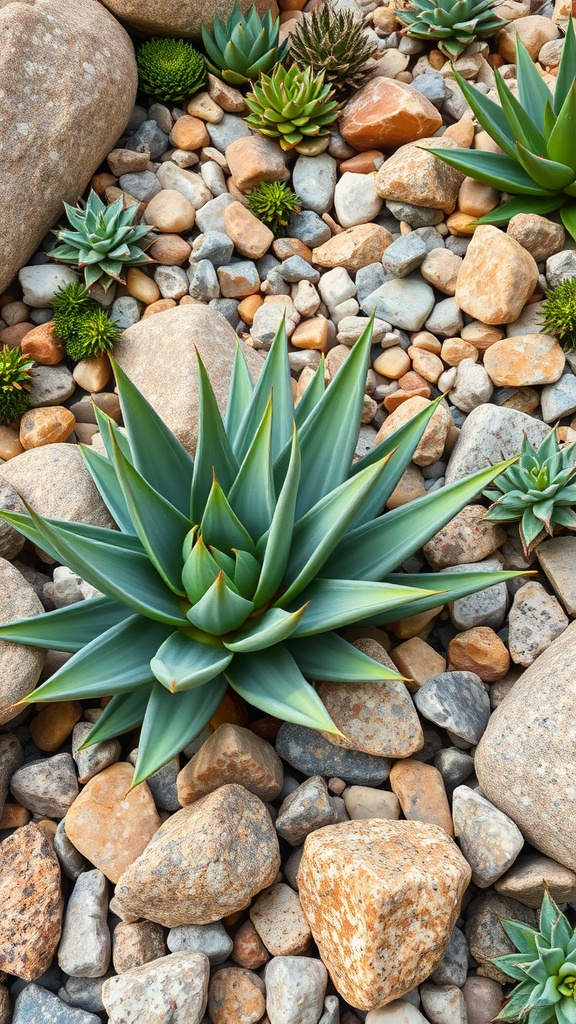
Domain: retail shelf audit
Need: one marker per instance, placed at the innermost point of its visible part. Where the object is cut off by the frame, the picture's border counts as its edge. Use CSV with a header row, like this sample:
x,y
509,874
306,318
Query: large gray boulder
x,y
176,17
67,87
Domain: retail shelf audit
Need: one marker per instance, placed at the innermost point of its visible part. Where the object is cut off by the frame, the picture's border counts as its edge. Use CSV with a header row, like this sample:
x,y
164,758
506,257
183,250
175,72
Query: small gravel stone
x,y
312,754
215,246
249,950
211,939
148,138
376,718
559,399
295,988
279,920
527,877
35,1004
453,967
433,86
485,934
125,311
415,216
314,180
210,217
236,996
227,131
405,303
171,281
365,802
491,433
238,279
11,757
445,321
40,283
404,255
557,557
443,1004
51,385
85,944
46,787
535,620
456,701
308,808
484,998
72,863
136,943
94,758
232,754
559,267
203,281
170,990
143,185
486,608
84,993
309,228
356,200
472,386
297,269
489,840
466,538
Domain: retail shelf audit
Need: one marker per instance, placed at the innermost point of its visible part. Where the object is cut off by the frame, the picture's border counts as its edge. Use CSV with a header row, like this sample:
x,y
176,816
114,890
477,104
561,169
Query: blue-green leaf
x,y
548,173
275,378
124,712
330,658
67,629
496,169
102,472
214,457
311,396
451,586
271,628
565,76
239,395
335,603
220,525
182,663
220,610
274,548
252,495
533,92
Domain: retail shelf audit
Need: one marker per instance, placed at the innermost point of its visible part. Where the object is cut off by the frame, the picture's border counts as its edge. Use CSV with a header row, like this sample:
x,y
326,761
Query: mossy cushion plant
x,y
81,324
333,42
451,24
243,46
544,964
274,203
559,313
292,105
170,70
15,383
235,569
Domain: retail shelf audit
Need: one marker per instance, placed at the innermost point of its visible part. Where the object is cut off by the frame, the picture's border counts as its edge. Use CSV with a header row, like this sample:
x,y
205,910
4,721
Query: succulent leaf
x,y
291,104
243,46
333,42
15,383
452,24
171,70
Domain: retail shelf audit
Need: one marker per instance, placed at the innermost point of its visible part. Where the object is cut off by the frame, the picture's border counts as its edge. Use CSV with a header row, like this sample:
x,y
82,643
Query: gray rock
x,y
267,320
71,861
238,279
314,180
162,784
489,840
559,399
432,86
529,321
211,939
455,105
458,245
228,308
86,993
560,267
20,666
368,280
215,246
11,757
211,216
404,255
405,303
47,787
415,216
275,283
457,701
187,183
453,967
486,936
295,268
445,320
536,619
489,434
295,988
312,754
143,185
226,131
472,386
125,311
306,809
85,945
487,607
331,1013
148,138
35,1005
11,542
40,283
96,757
170,990
203,282
454,766
557,557
309,228
51,385
431,237
172,282
443,1004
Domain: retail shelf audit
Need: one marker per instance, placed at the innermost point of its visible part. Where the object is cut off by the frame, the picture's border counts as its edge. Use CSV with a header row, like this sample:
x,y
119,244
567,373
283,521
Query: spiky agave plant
x,y
545,966
536,133
243,46
103,240
333,42
236,568
291,105
451,24
539,491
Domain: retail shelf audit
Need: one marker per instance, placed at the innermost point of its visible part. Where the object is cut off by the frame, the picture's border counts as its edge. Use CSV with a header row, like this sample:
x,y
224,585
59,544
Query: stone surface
x,y
536,724
411,175
496,278
486,936
210,939
312,754
48,786
84,950
236,996
466,538
253,159
195,871
307,808
489,434
524,359
171,990
359,882
295,987
489,840
36,1003
232,754
535,620
483,998
385,114
375,717
111,824
420,791
20,666
557,557
527,877
148,347
49,161
278,918
138,942
487,606
456,701
354,248
31,901
431,445
479,650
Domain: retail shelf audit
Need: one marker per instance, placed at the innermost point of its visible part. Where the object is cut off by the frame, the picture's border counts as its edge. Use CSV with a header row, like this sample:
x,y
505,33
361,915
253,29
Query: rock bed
x,y
457,313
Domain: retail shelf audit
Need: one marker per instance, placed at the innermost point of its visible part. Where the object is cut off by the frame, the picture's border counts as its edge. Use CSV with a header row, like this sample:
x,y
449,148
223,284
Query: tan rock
x,y
311,334
136,943
232,754
141,286
15,313
170,211
415,625
250,236
534,30
54,724
479,650
540,236
527,877
249,950
461,224
46,425
181,18
236,996
189,133
195,870
43,345
161,306
392,362
454,350
420,790
466,538
230,99
354,248
431,445
424,339
524,359
13,336
9,443
93,374
125,161
247,308
31,901
174,986
476,199
363,802
497,277
484,997
359,883
416,660
428,365
386,114
441,268
111,824
363,163
409,487
376,718
482,336
253,159
279,920
203,106
283,248
414,176
170,250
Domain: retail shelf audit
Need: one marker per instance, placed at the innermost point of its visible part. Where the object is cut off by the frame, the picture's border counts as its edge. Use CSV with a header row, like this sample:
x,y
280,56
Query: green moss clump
x,y
83,325
274,204
171,70
15,383
559,313
70,306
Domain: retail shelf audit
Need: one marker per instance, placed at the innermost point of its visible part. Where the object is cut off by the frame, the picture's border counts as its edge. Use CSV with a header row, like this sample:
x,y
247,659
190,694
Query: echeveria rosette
x,y
237,568
536,133
451,24
243,46
292,105
545,966
539,491
102,240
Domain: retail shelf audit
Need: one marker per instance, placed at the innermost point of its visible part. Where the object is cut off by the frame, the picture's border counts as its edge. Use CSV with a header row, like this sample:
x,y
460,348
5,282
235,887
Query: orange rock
x,y
426,340
158,307
14,815
170,211
420,790
189,133
251,237
93,374
170,250
141,287
311,334
416,625
496,278
376,718
231,709
386,114
431,445
236,994
100,182
363,163
249,950
54,723
10,445
15,312
427,364
482,336
111,824
353,248
459,223
393,362
253,159
413,384
409,487
479,650
454,350
283,248
247,308
468,537
231,754
524,359
416,660
43,345
476,199
46,425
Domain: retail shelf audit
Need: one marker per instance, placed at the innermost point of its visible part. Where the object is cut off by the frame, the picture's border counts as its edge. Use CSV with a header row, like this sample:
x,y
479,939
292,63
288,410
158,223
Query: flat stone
x,y
306,809
456,701
524,359
295,988
489,434
404,255
467,538
138,942
314,180
559,399
404,302
526,879
95,758
557,557
414,176
312,754
385,114
487,607
194,871
20,666
253,159
535,620
31,900
236,996
365,802
358,884
486,936
534,725
50,385
420,790
171,990
279,920
211,939
47,787
35,1004
375,717
232,754
85,946
497,277
353,248
489,840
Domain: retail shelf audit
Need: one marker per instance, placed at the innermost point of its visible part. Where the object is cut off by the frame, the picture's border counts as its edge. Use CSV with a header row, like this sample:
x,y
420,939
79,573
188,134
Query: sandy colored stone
x,y
9,443
84,73
141,286
484,997
431,445
527,877
312,334
43,345
160,306
236,996
136,943
418,661
497,277
170,250
360,882
454,350
20,665
170,211
411,175
47,425
174,17
93,374
524,359
111,824
535,620
172,988
420,790
557,557
253,159
376,718
393,362
31,901
54,724
189,133
278,918
354,248
479,650
482,336
489,840
475,198
232,754
196,870
385,114
540,236
409,487
466,538
251,237
534,30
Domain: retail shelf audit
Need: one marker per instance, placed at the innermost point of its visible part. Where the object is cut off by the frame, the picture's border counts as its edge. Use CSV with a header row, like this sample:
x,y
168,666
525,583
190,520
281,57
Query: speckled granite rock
x,y
20,667
173,988
174,17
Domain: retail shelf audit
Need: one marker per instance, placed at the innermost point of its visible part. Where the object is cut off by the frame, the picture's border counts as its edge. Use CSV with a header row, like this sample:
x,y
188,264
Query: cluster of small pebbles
x,y
271,874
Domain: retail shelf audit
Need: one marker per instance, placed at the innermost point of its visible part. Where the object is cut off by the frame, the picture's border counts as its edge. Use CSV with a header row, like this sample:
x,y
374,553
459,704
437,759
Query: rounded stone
x,y
170,211
46,426
20,665
385,114
524,359
496,278
236,996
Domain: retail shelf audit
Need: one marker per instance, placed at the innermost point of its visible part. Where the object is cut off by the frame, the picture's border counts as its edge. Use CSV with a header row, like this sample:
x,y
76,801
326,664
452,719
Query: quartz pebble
x,y
489,840
85,944
295,988
535,620
170,990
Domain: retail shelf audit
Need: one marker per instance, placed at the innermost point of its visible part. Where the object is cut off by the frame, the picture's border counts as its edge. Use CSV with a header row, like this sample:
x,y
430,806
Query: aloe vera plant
x,y
536,133
236,568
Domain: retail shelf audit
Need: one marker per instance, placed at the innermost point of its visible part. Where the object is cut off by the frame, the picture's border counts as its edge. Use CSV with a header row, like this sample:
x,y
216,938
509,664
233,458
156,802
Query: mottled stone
x,y
307,808
31,901
232,754
171,990
236,996
528,876
420,790
20,666
385,114
211,939
47,787
195,871
412,175
431,445
295,987
375,717
557,557
536,619
524,359
539,235
486,936
84,950
453,967
96,757
456,701
489,840
253,159
479,650
485,607
491,433
359,882
36,1004
354,248
138,942
496,278
249,950
11,757
466,538
278,918
312,754
483,997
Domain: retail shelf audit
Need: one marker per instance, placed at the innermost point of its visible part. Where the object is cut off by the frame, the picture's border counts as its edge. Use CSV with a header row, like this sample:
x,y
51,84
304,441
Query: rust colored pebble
x,y
363,163
43,345
283,248
247,308
170,250
46,425
232,709
420,790
267,728
14,815
100,182
479,650
10,445
236,996
13,336
54,723
397,398
159,307
249,950
189,133
416,384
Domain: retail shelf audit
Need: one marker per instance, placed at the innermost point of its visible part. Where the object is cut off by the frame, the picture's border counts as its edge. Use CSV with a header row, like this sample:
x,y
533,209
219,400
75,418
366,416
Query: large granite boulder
x,y
176,17
67,86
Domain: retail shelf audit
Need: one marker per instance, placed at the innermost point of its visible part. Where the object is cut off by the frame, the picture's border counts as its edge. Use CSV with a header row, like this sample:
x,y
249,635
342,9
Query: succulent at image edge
x,y
334,42
545,967
236,568
243,46
452,26
536,133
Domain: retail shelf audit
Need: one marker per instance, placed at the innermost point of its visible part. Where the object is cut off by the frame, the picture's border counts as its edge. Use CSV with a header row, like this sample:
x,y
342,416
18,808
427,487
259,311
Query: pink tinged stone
x,y
385,114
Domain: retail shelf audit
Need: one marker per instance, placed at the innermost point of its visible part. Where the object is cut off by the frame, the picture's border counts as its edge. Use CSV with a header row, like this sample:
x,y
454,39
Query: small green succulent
x,y
170,70
237,568
536,132
243,46
70,305
545,966
274,203
334,42
103,240
451,24
559,313
538,491
15,384
291,105
83,325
